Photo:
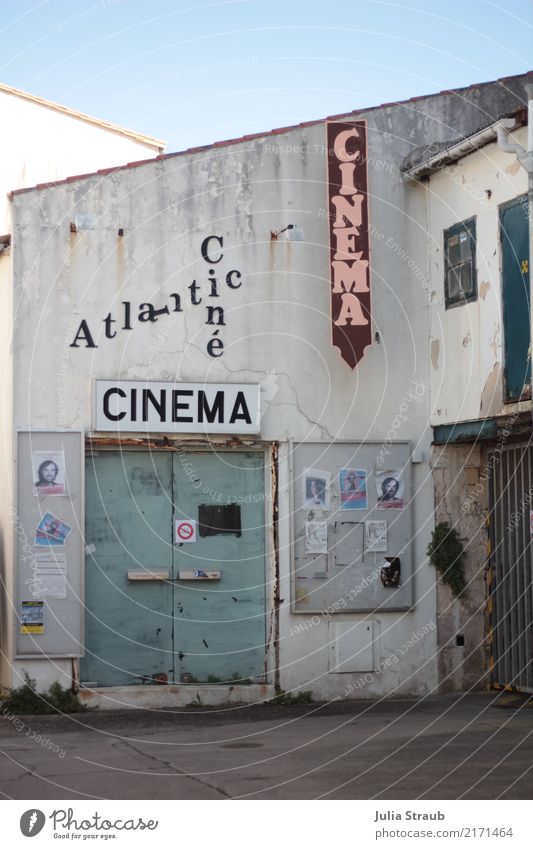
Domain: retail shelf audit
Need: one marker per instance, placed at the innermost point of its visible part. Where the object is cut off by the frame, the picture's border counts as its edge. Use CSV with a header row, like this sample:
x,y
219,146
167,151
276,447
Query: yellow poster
x,y
32,617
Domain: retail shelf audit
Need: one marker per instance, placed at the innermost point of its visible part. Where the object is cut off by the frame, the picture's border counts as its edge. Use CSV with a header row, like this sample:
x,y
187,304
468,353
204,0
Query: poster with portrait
x,y
48,472
352,486
390,490
316,489
375,535
316,537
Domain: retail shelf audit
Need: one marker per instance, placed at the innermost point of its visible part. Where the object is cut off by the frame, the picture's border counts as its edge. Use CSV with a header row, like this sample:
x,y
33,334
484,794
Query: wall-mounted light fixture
x,y
290,233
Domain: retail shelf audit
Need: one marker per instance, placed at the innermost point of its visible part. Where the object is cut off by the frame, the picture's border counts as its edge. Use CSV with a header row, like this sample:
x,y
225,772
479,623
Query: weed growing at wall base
x,y
27,700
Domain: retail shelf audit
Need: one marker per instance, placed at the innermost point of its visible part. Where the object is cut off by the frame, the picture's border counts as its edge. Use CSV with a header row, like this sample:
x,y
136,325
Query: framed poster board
x,y
49,538
351,527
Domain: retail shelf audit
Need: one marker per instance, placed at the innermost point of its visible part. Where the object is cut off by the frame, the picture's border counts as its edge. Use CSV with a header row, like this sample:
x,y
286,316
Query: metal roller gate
x,y
511,567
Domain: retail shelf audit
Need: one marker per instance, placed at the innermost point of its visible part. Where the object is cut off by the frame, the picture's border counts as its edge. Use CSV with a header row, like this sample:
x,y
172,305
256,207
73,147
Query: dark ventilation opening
x,y
216,519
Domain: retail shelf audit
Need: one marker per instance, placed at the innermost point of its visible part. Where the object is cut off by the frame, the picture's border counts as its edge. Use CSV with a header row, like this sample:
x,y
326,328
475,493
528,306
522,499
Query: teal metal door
x,y
128,620
220,624
150,615
515,292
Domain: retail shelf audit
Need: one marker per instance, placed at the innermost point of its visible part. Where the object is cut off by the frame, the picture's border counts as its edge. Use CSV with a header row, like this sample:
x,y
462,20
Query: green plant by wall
x,y
447,553
26,700
304,697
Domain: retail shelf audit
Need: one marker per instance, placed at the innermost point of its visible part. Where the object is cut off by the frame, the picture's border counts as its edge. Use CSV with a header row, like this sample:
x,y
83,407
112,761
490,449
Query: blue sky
x,y
196,72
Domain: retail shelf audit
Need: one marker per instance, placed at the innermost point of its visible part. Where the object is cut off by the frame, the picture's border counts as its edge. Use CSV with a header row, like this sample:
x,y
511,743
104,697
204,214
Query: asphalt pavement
x,y
474,746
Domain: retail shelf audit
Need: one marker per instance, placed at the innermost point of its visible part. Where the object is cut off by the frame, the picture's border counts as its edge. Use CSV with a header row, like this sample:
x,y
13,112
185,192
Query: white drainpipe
x,y
525,158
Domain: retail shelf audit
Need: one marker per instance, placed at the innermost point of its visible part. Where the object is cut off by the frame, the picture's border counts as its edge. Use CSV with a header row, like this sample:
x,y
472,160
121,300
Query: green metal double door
x,y
150,615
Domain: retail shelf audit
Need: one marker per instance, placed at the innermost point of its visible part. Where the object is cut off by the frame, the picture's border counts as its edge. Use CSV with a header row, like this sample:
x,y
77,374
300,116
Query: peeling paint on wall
x,y
491,396
484,287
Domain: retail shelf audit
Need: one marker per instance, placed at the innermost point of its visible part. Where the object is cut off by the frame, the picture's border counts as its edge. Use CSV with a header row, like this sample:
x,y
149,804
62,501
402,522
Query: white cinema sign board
x,y
136,405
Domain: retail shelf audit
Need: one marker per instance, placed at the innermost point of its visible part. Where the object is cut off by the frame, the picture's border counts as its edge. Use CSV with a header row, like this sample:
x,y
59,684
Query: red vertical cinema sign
x,y
349,240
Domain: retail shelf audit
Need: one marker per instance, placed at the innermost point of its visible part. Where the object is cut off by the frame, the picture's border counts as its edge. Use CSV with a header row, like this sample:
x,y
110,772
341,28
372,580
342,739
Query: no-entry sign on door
x,y
185,530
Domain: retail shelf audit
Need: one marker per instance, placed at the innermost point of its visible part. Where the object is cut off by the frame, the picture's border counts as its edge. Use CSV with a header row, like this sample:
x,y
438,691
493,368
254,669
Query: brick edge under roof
x,y
266,134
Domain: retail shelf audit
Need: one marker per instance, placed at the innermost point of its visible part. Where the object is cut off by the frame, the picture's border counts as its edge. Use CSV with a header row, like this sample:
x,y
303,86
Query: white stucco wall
x,y
467,341
39,144
277,328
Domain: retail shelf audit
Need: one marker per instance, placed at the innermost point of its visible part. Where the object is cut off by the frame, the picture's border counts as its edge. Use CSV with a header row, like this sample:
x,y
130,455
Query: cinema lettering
x,y
204,294
130,405
349,243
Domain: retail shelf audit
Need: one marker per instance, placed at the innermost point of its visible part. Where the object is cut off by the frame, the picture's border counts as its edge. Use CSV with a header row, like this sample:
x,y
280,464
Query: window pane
x,y
454,285
465,245
453,250
466,279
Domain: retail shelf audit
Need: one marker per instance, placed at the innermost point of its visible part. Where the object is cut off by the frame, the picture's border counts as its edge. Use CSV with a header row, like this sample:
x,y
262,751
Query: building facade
x,y
221,361
480,378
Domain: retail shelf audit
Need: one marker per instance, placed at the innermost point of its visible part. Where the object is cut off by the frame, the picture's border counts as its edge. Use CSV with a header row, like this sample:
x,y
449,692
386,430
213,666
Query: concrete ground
x,y
477,746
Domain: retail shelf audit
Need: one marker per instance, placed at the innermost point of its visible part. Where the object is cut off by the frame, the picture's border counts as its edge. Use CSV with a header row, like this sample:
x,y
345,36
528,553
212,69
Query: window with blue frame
x,y
460,279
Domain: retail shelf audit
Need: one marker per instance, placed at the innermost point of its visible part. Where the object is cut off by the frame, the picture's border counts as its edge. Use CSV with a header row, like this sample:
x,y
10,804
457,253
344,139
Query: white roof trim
x,y
148,141
457,151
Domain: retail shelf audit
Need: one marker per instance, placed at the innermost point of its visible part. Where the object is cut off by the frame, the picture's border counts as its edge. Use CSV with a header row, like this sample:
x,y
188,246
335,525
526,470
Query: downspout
x,y
525,158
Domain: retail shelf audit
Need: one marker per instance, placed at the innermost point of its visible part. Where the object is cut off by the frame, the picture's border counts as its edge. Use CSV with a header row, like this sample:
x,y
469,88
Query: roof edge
x,y
462,147
149,141
278,131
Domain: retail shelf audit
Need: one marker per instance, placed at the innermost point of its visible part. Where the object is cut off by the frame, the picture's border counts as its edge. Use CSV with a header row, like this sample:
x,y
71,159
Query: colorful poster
x,y
51,531
316,537
32,617
375,535
316,489
50,576
390,489
48,472
352,485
